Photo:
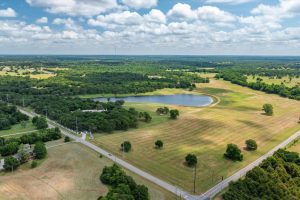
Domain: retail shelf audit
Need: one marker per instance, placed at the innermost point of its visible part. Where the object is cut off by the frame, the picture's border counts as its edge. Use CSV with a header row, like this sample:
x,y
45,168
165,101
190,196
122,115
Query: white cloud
x,y
156,16
42,20
211,13
137,4
182,11
75,7
9,12
233,2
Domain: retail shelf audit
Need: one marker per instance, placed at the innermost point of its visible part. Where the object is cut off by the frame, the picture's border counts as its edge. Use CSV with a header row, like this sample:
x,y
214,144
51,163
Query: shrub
x,y
126,146
67,139
268,108
233,153
159,144
34,164
191,160
251,145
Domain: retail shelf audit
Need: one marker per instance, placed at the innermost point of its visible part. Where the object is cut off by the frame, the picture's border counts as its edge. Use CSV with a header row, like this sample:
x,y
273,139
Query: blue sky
x,y
190,27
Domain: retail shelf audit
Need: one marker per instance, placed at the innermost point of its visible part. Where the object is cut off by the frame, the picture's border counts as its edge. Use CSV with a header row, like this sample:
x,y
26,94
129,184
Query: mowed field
x,y
285,80
206,132
15,129
71,171
295,147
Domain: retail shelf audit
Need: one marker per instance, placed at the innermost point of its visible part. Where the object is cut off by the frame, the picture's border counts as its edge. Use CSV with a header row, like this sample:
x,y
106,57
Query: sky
x,y
150,27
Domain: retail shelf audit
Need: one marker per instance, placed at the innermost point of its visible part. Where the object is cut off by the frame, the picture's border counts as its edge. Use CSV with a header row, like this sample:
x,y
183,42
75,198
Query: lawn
x,y
18,129
295,147
70,172
285,80
206,132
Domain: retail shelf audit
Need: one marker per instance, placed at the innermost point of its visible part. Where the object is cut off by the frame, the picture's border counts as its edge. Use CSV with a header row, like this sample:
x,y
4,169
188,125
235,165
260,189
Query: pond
x,y
176,99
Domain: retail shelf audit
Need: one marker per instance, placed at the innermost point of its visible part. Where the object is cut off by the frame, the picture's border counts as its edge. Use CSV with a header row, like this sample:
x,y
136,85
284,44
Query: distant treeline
x,y
240,79
278,177
75,82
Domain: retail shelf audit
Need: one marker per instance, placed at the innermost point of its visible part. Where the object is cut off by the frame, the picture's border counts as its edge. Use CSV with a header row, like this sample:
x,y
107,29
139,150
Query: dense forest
x,y
239,78
278,177
9,115
68,111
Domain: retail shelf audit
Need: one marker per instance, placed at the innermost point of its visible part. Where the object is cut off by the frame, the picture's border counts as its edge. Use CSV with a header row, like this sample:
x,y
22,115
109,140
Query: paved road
x,y
179,192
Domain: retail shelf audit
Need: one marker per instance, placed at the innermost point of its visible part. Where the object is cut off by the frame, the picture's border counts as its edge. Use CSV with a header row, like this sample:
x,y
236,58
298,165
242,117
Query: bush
x,y
268,108
191,160
233,153
11,163
34,164
67,139
40,150
174,114
126,146
159,144
251,145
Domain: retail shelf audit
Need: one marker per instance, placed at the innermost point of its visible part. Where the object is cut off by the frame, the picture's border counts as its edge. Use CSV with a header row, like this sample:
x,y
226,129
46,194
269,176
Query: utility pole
x,y
195,177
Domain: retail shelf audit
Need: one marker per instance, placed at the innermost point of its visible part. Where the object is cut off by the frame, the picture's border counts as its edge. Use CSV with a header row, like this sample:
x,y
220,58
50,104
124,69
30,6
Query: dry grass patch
x,y
70,172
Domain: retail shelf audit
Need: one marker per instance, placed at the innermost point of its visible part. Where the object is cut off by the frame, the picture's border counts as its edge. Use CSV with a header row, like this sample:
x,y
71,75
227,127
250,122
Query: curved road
x,y
179,192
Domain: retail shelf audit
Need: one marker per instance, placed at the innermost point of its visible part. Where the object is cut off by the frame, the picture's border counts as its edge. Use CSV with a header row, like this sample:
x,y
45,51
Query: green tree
x,y
141,193
40,122
268,109
233,153
40,150
191,160
11,163
174,114
251,145
24,155
147,117
159,144
126,146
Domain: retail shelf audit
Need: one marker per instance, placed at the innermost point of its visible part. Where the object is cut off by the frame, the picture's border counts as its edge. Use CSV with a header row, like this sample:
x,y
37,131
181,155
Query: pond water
x,y
176,99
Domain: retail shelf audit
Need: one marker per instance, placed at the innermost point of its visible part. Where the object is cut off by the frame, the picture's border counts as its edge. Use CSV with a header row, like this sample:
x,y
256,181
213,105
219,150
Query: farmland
x,y
65,175
206,132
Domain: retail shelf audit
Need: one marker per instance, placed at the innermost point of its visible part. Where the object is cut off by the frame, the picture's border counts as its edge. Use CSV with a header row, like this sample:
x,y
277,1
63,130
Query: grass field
x,y
70,172
18,129
206,132
295,147
268,80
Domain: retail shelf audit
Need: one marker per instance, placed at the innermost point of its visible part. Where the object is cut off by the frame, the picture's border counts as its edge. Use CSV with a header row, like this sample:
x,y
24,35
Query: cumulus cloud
x,y
182,11
181,29
75,7
137,4
228,1
42,20
9,12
